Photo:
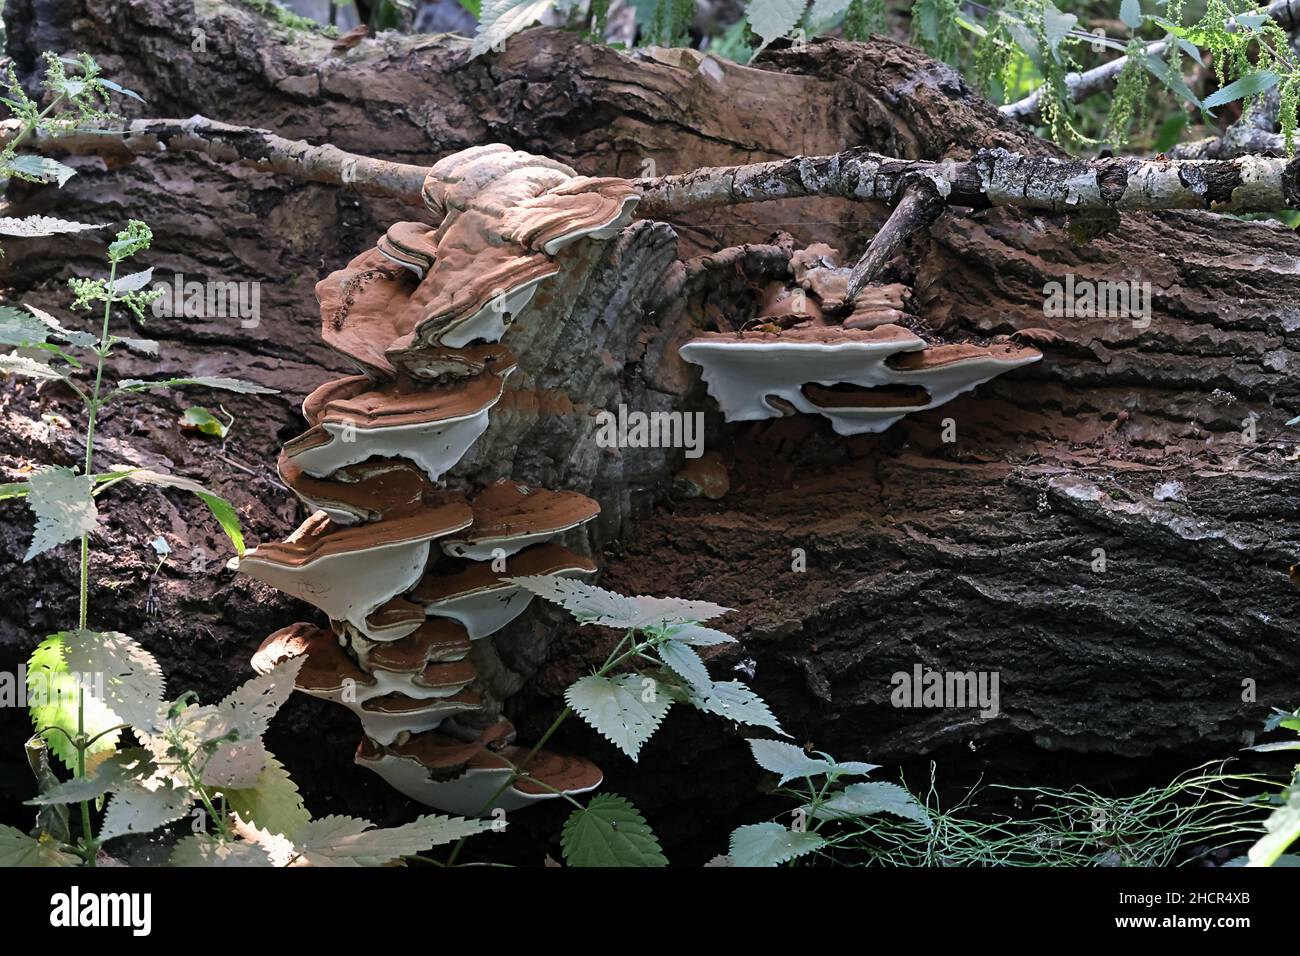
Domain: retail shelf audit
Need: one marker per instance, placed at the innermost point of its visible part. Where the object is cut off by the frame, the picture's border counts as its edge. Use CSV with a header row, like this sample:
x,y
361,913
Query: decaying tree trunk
x,y
1160,449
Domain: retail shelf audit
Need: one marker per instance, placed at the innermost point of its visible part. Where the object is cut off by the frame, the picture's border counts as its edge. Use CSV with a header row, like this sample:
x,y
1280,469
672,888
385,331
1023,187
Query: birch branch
x,y
990,178
1083,85
242,145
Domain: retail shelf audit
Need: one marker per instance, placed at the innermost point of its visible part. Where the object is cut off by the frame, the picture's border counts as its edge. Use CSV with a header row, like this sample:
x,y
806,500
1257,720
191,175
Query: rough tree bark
x,y
976,554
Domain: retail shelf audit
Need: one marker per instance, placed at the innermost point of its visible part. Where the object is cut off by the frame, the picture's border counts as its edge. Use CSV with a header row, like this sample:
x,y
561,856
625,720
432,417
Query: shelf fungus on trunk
x,y
352,420
480,776
509,516
421,316
483,599
863,380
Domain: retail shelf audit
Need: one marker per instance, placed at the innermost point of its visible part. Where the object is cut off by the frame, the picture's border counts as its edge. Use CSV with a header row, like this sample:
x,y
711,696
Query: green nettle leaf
x,y
236,764
33,227
684,661
1057,26
625,709
18,849
52,691
55,329
51,819
109,774
201,420
865,799
501,19
770,844
609,831
133,282
21,328
349,841
221,509
1130,11
15,364
1282,828
823,12
699,636
228,384
143,346
13,489
202,850
41,169
735,701
252,705
1172,79
64,507
772,19
124,674
1252,84
144,807
273,802
787,760
592,605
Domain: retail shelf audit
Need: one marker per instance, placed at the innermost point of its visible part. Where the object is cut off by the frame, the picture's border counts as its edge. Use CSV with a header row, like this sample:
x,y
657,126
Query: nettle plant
x,y
827,792
1282,828
652,667
86,687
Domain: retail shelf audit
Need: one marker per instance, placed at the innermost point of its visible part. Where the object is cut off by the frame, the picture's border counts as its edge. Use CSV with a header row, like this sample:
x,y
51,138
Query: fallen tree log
x,y
1162,446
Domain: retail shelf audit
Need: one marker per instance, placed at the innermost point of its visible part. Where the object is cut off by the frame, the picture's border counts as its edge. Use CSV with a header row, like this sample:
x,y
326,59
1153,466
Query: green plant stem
x,y
616,656
83,604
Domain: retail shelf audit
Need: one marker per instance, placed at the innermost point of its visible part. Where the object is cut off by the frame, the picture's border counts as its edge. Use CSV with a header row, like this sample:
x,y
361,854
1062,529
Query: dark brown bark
x,y
968,555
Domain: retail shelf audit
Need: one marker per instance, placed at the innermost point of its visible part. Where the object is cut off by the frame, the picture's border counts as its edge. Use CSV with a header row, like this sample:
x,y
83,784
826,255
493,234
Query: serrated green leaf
x,y
735,701
52,692
1282,828
699,636
502,19
18,849
1252,84
685,662
823,12
1130,11
15,364
221,509
623,709
772,19
21,328
273,802
133,282
235,764
770,844
200,850
865,799
592,605
51,819
32,227
609,831
140,808
252,705
42,169
787,760
348,841
1057,26
128,677
109,774
64,507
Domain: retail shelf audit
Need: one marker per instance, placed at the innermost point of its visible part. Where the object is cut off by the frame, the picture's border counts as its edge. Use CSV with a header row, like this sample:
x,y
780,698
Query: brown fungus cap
x,y
367,491
478,577
327,667
358,306
511,512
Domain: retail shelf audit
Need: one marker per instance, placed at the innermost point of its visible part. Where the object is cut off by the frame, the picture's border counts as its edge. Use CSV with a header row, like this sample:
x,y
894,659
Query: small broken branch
x,y
919,206
1083,85
993,177
242,145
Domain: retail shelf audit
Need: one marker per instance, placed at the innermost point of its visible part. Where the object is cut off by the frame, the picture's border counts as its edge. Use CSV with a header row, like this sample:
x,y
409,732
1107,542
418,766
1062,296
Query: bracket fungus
x,y
421,315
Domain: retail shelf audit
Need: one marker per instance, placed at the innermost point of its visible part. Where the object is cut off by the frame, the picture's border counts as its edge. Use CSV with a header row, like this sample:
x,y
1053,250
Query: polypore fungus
x,y
863,380
421,315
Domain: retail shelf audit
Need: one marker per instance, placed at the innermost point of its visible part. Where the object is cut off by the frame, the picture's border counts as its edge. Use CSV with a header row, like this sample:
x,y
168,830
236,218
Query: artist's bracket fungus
x,y
409,574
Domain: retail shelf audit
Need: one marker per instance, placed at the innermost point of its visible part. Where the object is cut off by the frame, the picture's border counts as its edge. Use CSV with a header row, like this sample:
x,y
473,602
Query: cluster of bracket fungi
x,y
410,573
813,349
